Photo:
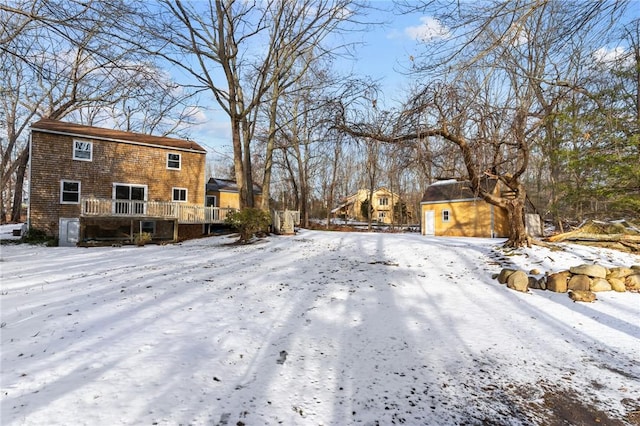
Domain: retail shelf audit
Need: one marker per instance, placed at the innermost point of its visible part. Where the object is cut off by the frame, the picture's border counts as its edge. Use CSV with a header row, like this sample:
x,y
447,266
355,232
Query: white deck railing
x,y
185,213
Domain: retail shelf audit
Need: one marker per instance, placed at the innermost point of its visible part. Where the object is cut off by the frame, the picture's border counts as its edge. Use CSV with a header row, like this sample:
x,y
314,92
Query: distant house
x,y
382,204
225,193
89,184
451,208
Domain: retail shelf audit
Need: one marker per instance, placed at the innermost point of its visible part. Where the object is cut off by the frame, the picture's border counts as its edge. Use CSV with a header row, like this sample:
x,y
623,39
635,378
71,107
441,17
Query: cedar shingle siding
x,y
458,212
117,157
227,194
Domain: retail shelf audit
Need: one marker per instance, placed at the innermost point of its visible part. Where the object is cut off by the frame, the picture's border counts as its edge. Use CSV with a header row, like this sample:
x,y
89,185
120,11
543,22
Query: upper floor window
x,y
446,215
384,201
179,195
69,192
173,161
82,150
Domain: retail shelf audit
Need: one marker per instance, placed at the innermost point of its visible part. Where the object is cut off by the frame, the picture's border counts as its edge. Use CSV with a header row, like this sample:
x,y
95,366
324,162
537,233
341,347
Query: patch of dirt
x,y
564,407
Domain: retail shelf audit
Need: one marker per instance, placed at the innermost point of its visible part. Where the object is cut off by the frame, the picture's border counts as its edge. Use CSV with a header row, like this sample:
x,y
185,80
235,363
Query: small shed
x,y
225,193
451,208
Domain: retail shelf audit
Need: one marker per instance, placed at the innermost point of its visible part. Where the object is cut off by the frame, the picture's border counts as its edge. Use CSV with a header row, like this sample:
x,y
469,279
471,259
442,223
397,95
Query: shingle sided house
x,y
89,184
382,205
451,208
225,193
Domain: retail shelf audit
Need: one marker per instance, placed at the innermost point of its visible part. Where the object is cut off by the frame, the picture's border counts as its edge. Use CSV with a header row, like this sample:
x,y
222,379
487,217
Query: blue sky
x,y
382,54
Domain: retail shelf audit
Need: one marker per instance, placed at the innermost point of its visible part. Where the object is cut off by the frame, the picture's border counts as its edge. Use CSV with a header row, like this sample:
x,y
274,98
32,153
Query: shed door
x,y
429,222
69,232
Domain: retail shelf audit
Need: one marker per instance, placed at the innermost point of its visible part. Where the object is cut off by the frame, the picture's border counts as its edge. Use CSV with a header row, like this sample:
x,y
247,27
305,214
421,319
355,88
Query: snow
x,y
320,328
6,231
444,182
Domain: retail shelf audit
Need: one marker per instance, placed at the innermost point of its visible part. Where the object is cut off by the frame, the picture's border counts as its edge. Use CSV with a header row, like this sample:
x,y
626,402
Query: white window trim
x,y
186,194
153,225
130,185
179,161
383,201
62,182
90,150
138,185
448,215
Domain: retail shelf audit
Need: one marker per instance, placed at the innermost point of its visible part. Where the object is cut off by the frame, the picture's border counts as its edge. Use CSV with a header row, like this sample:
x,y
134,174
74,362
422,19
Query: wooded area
x,y
542,95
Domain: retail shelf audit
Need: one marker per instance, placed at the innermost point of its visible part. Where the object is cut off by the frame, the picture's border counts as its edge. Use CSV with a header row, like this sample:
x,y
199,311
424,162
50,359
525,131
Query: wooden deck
x,y
159,210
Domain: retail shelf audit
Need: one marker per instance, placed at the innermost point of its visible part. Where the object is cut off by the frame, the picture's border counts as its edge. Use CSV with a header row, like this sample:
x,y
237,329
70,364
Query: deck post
x,y
175,230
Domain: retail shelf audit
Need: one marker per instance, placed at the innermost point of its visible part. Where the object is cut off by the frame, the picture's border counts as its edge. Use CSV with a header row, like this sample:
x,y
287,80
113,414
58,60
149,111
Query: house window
x,y
148,226
446,215
381,216
129,198
180,195
210,201
173,161
383,201
69,192
82,150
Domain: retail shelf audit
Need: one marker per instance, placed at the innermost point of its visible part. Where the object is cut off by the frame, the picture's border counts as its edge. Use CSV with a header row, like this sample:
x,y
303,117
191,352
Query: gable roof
x,y
454,190
78,130
362,194
228,185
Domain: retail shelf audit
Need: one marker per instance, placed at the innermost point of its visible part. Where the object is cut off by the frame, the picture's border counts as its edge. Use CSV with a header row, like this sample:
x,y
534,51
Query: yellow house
x,y
382,204
224,193
450,208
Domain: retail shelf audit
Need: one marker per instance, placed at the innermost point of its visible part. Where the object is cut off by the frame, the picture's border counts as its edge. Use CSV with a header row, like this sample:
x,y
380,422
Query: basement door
x,y
429,222
69,232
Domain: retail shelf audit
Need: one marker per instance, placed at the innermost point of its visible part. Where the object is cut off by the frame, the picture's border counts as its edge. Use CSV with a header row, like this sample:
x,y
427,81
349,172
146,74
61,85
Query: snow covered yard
x,y
316,329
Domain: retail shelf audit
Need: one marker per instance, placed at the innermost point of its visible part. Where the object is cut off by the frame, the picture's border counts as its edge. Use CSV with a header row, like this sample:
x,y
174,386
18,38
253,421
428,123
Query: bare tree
x,y
60,61
495,67
242,53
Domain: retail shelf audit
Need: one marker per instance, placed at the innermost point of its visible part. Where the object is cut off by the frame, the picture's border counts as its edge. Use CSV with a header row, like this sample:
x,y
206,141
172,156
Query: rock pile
x,y
581,282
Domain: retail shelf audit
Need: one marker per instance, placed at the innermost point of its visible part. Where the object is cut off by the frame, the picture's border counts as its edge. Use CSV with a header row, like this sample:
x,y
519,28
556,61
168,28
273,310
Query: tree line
x,y
541,95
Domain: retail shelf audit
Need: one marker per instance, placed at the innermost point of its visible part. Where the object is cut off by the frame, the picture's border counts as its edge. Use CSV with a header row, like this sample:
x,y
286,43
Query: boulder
x,y
632,282
558,282
504,274
594,271
579,282
619,272
600,284
617,284
518,281
534,271
542,283
534,283
582,296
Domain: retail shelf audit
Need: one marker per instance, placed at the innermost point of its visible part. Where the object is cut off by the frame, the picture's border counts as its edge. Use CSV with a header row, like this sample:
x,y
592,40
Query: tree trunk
x,y
334,178
237,161
271,142
23,160
517,231
248,173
